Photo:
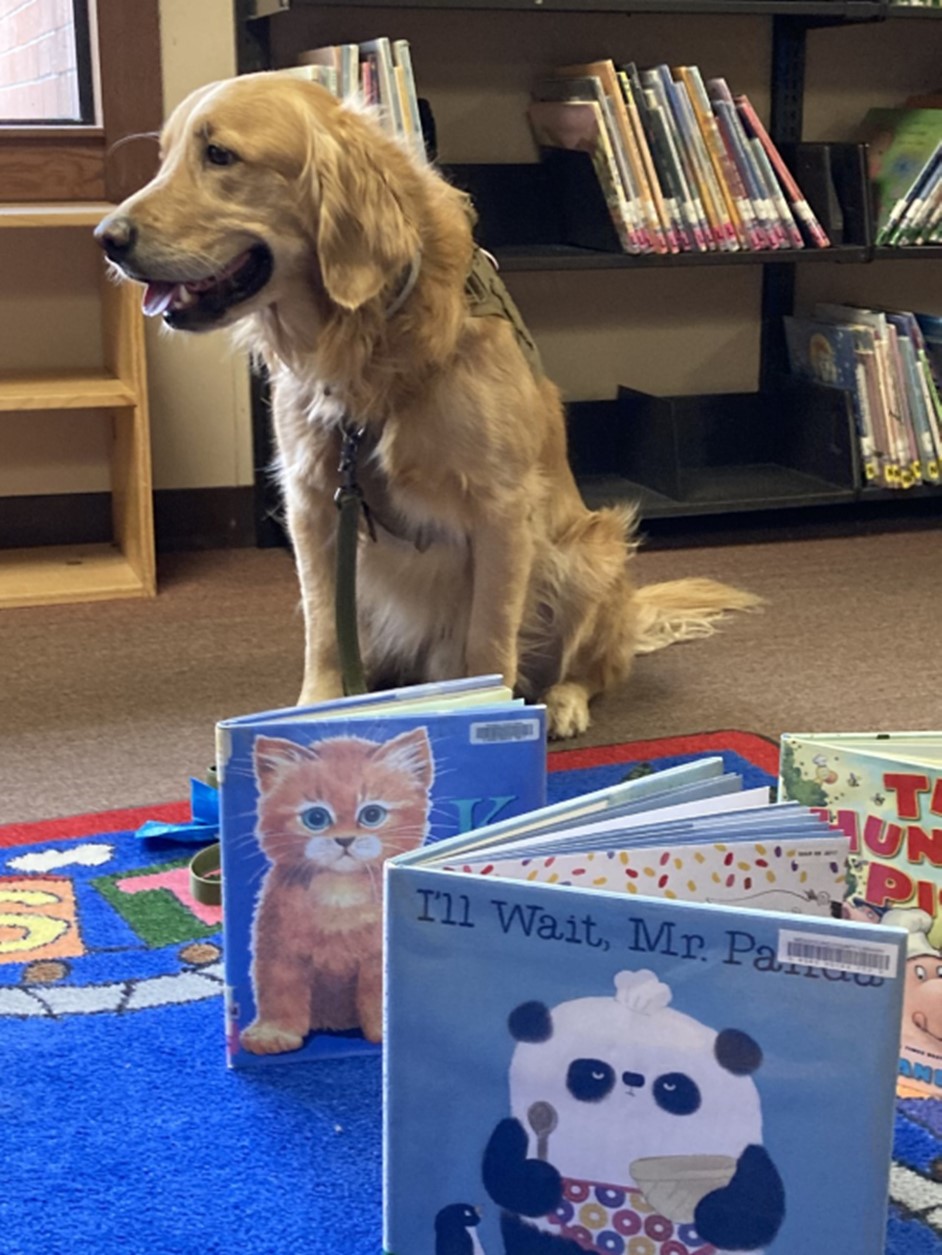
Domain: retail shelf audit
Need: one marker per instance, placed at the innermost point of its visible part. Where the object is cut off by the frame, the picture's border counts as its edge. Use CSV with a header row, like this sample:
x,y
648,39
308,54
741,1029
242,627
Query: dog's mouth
x,y
188,304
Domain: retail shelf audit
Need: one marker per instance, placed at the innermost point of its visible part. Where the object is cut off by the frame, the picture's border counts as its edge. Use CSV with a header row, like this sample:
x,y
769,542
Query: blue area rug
x,y
122,1129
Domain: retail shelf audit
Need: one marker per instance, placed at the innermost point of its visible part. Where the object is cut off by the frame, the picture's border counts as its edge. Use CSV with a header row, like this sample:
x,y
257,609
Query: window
x,y
45,63
116,60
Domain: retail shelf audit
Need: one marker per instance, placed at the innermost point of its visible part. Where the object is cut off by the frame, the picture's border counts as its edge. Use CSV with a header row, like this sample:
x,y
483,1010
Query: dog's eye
x,y
216,155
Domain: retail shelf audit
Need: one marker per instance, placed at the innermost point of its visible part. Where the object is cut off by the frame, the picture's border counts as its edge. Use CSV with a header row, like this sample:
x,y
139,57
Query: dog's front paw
x,y
567,711
263,1038
326,687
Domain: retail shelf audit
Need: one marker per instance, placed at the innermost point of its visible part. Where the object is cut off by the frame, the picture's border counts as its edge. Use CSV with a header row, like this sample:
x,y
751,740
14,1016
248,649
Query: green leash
x,y
350,502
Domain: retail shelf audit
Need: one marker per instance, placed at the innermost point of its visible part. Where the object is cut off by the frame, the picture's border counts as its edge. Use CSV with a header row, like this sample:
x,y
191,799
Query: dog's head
x,y
265,182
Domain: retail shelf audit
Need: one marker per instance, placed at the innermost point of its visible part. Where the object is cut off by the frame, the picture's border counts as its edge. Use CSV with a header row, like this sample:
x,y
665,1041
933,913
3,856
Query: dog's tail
x,y
682,610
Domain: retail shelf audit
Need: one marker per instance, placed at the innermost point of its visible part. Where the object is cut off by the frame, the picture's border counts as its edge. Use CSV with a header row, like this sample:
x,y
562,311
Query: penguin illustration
x,y
454,1230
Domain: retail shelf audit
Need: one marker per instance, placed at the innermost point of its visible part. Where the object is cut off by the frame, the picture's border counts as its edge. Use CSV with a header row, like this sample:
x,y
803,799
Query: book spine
x,y
402,53
692,206
641,214
932,213
765,213
633,96
903,232
802,209
634,138
738,206
899,209
670,174
782,207
760,237
868,454
721,227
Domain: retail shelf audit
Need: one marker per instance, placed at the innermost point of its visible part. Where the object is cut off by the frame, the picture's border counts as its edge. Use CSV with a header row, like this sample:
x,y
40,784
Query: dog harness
x,y
487,297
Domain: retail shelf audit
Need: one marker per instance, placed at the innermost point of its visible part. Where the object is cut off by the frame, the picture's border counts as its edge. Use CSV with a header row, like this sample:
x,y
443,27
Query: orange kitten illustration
x,y
329,815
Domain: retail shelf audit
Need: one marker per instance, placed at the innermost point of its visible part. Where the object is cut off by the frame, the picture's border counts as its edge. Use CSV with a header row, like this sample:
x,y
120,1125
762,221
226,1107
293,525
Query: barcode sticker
x,y
814,950
505,730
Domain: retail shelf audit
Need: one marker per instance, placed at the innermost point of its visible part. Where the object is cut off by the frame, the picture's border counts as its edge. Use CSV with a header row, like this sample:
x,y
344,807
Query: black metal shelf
x,y
535,257
917,252
720,490
844,10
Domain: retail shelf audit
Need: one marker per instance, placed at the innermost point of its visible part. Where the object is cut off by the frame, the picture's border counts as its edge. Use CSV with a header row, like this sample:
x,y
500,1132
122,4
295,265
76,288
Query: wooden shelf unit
x,y
126,567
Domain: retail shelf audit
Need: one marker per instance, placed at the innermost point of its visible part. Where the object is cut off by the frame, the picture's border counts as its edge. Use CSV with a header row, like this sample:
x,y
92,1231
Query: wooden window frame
x,y
80,163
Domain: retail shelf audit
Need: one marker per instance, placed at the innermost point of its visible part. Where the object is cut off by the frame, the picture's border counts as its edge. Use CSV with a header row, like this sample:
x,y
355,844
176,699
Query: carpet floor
x,y
126,1132
113,704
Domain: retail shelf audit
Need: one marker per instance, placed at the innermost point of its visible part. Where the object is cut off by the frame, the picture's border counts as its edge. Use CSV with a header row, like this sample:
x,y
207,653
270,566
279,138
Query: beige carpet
x,y
114,704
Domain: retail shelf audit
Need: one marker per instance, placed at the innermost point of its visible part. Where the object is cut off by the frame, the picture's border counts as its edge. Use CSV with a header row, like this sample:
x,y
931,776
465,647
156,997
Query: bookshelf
x,y
124,568
770,448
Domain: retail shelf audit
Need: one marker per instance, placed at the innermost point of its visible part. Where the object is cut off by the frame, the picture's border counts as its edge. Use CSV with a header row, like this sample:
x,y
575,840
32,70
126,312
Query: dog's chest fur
x,y
405,503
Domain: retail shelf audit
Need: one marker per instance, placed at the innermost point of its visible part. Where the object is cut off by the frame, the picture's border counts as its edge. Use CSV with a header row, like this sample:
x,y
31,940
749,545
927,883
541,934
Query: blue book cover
x,y
311,806
570,1070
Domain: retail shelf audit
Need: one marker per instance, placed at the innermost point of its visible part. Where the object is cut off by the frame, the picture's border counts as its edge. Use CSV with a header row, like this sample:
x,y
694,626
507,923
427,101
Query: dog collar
x,y
408,284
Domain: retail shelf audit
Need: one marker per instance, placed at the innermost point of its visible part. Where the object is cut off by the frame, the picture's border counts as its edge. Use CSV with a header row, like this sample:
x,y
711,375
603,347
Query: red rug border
x,y
756,749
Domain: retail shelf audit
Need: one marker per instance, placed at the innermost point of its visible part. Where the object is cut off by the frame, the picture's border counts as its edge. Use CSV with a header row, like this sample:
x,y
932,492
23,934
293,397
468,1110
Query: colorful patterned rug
x,y
122,1127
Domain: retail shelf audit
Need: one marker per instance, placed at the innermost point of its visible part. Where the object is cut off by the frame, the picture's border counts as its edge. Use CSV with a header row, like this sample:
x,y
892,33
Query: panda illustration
x,y
634,1130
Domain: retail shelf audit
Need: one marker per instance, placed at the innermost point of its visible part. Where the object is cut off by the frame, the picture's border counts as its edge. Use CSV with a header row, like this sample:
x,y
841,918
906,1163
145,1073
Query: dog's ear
x,y
364,238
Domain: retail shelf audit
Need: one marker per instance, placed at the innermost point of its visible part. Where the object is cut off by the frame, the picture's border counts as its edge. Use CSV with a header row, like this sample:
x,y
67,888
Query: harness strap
x,y
488,297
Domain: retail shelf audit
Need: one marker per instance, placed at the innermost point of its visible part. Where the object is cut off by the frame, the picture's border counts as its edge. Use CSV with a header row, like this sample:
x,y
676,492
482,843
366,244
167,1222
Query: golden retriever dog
x,y
342,259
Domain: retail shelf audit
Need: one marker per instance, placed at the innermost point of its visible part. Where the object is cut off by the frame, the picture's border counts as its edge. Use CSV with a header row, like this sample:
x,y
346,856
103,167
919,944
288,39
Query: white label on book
x,y
505,730
873,958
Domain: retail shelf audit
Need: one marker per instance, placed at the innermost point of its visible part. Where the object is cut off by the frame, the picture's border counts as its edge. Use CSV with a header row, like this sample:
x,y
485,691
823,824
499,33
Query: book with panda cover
x,y
312,802
571,1069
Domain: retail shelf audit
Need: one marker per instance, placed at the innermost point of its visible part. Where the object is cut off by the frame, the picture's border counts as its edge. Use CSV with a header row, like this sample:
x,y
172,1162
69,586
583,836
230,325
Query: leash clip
x,y
349,488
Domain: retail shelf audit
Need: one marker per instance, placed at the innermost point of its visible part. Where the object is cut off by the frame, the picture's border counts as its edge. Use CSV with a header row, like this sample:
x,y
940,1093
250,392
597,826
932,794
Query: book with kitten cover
x,y
883,791
312,802
578,1066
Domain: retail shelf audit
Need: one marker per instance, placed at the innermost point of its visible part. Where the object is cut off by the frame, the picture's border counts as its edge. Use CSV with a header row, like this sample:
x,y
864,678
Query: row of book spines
x,y
379,73
698,171
896,397
916,218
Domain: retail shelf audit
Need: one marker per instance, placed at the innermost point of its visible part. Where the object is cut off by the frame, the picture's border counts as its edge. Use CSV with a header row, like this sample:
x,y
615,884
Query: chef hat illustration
x,y
641,991
917,924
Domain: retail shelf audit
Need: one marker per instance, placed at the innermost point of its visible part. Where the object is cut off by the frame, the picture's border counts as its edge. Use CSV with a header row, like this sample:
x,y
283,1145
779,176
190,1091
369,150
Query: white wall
x,y
199,388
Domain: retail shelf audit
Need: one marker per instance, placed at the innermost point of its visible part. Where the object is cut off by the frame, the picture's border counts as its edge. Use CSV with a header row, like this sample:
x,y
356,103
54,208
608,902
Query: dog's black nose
x,y
117,235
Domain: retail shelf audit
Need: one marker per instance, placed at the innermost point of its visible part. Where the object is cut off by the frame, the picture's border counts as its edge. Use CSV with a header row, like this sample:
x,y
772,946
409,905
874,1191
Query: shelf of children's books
x,y
843,9
566,257
917,252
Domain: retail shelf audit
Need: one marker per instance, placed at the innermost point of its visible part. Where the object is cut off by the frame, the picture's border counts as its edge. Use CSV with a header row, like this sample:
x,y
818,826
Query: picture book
x,y
579,1059
884,792
312,801
903,147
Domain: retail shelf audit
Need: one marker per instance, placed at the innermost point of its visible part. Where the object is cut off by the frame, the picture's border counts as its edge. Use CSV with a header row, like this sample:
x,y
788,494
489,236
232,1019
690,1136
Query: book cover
x,y
900,143
657,220
826,353
569,1070
312,803
579,125
884,792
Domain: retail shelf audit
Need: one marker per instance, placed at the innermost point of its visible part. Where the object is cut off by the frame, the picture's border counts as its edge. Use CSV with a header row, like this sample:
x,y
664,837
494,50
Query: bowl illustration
x,y
675,1184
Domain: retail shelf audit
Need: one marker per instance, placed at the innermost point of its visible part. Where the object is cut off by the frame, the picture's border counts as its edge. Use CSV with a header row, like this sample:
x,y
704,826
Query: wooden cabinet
x,y
118,388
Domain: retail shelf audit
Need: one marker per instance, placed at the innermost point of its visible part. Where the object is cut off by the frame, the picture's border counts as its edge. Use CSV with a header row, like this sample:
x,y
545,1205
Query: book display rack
x,y
783,445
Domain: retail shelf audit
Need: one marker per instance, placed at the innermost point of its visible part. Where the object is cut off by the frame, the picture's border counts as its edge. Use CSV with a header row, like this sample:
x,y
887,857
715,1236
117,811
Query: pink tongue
x,y
157,297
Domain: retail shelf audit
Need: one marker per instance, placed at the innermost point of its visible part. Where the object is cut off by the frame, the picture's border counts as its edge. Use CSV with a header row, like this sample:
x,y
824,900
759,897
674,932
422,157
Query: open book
x,y
605,1033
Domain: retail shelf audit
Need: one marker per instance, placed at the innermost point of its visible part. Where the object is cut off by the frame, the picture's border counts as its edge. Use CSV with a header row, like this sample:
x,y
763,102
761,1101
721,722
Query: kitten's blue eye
x,y
372,815
317,818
